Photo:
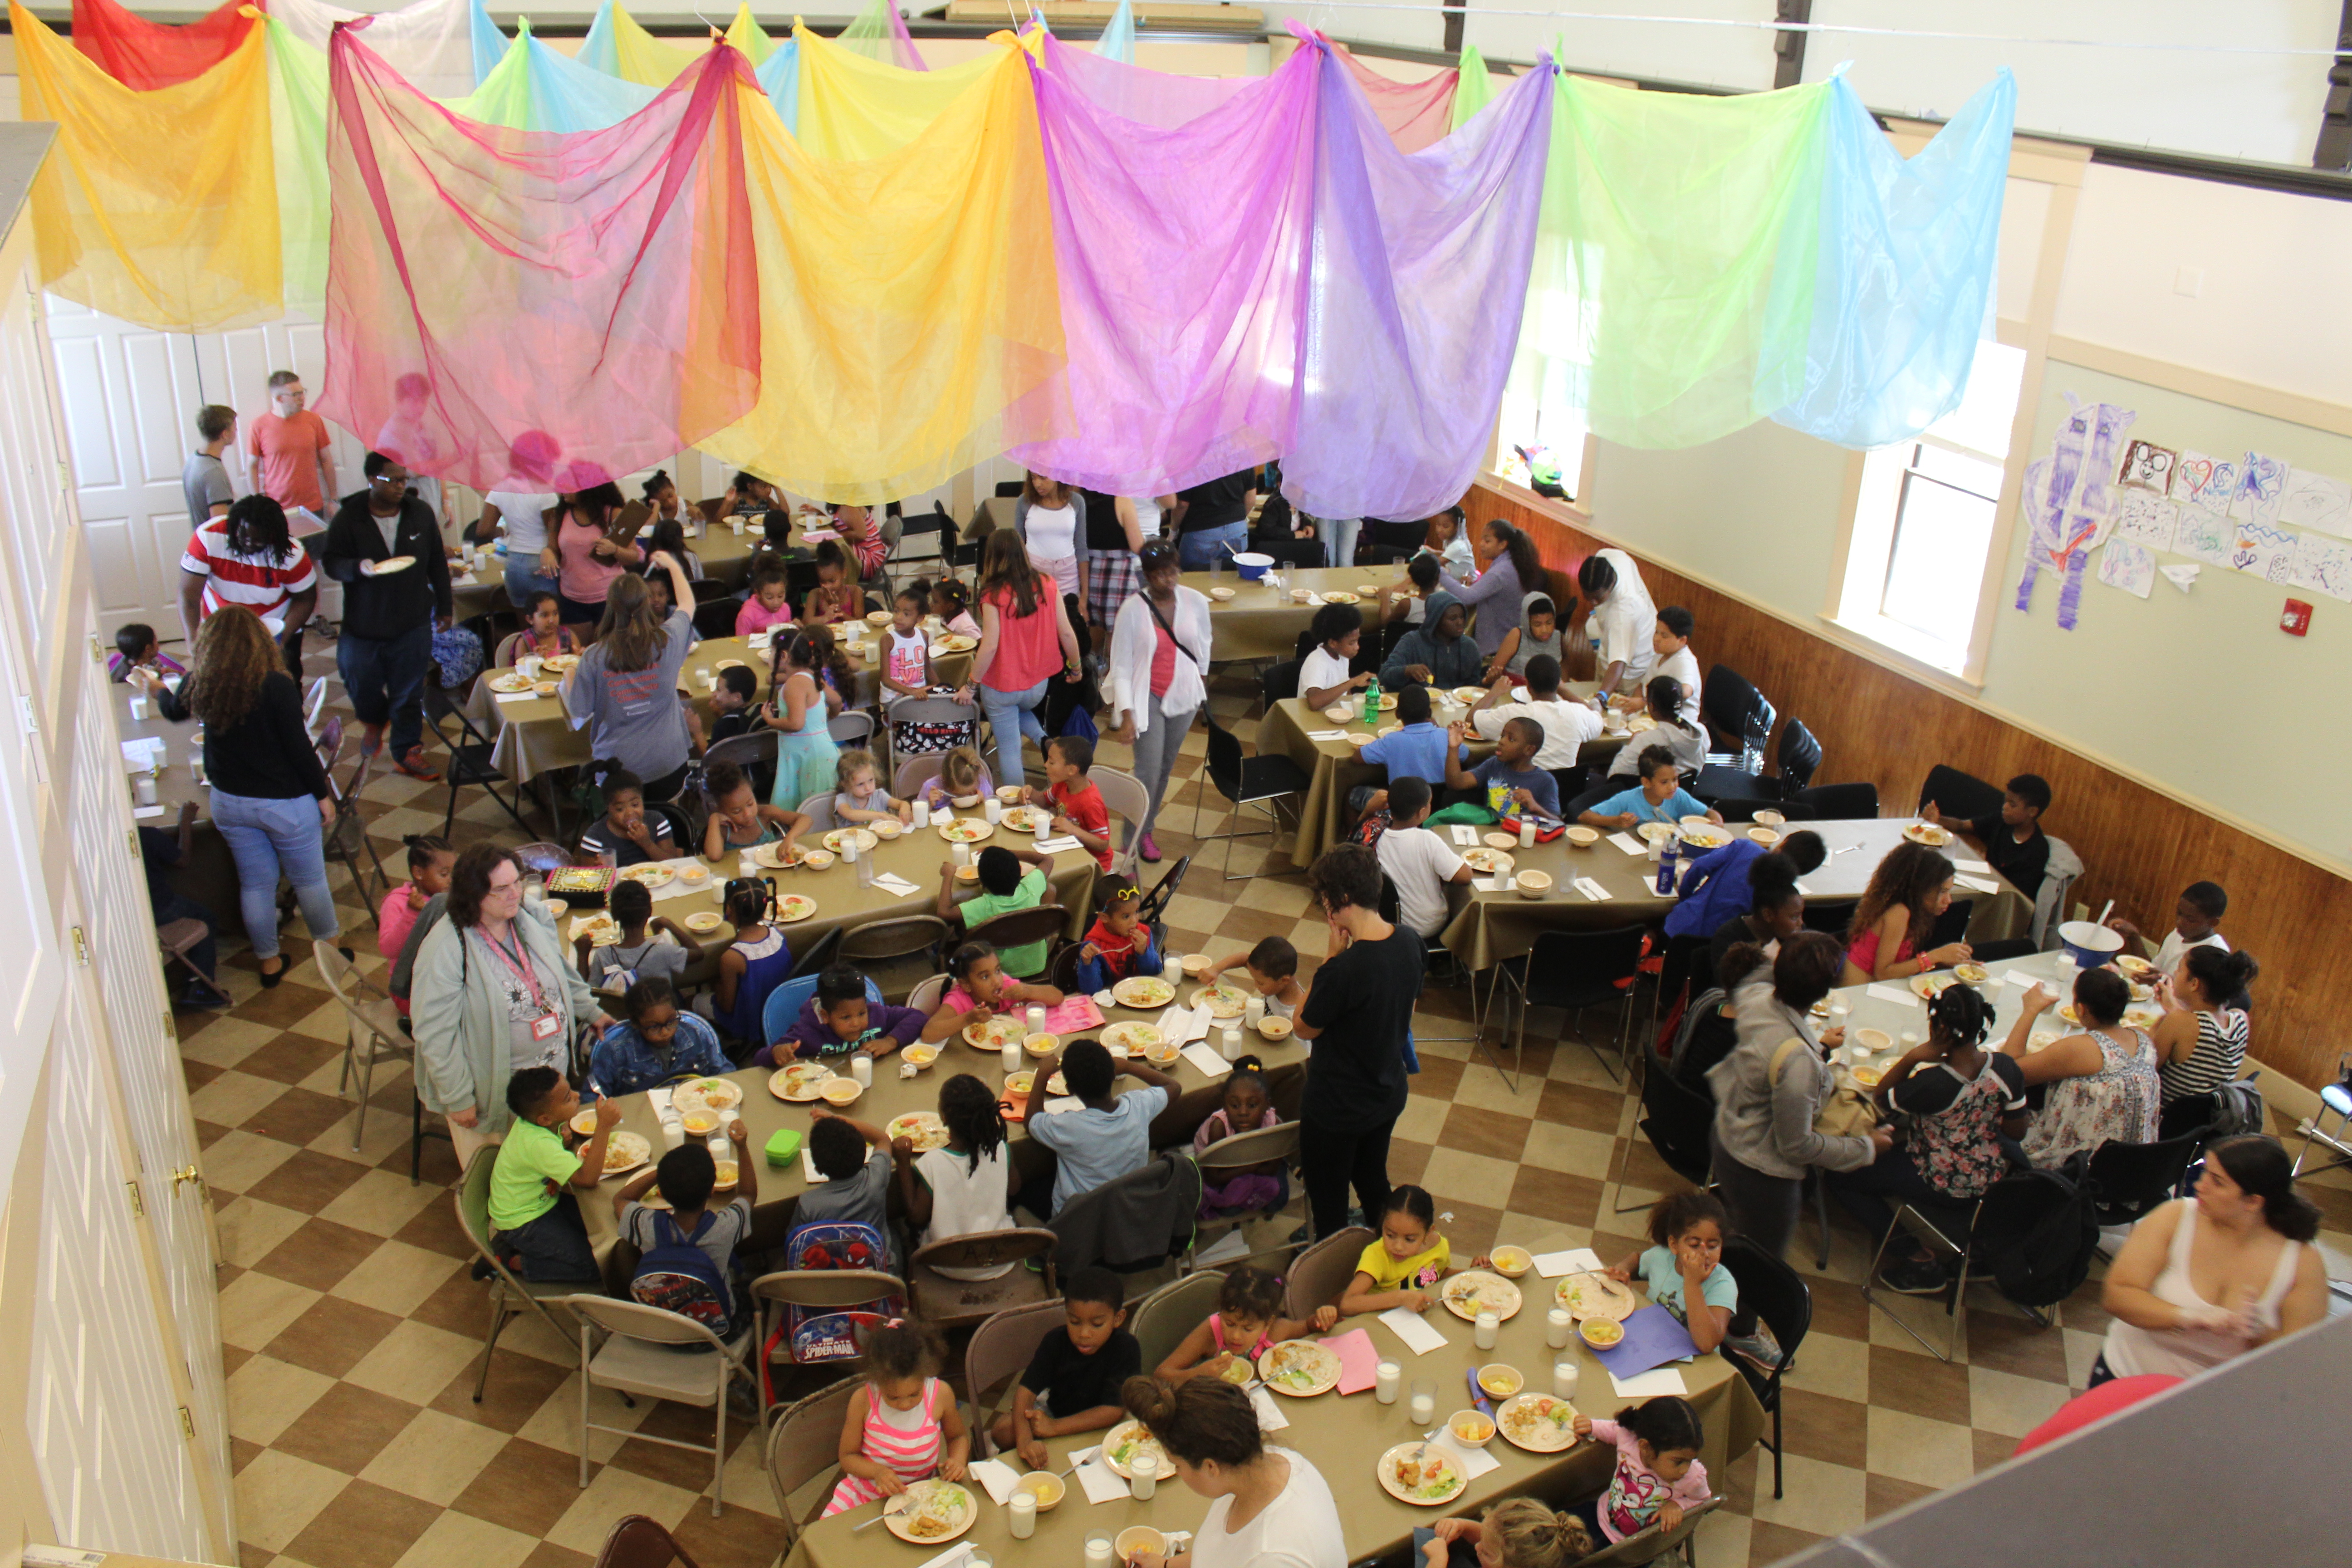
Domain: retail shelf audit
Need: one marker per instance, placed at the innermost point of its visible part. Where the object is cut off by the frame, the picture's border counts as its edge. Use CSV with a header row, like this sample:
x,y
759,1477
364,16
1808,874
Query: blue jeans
x,y
523,580
268,838
384,677
1011,715
1196,547
554,1247
1338,535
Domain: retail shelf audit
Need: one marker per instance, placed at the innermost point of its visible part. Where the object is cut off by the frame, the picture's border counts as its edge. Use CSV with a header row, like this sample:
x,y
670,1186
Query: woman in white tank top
x,y
2206,1279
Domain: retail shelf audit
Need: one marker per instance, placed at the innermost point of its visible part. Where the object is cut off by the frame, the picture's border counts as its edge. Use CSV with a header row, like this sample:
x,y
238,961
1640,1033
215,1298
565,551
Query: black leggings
x,y
1334,1160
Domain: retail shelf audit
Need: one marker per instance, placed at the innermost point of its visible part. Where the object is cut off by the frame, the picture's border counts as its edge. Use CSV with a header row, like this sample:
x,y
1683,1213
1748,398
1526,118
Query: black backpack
x,y
2039,1232
2237,1109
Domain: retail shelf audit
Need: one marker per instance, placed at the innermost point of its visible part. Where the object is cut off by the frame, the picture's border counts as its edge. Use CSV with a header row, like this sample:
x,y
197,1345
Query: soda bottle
x,y
1666,856
1372,700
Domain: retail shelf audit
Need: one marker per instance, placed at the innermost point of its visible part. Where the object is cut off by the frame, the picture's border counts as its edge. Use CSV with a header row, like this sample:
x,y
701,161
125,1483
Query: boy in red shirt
x,y
1077,806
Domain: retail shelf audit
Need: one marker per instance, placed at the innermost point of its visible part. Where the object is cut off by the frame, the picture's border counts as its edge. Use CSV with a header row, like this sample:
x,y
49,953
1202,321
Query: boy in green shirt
x,y
535,1220
1003,887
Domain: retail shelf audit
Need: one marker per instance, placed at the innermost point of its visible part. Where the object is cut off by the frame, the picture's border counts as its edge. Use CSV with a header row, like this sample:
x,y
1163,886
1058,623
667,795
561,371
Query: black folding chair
x,y
1676,1119
1019,928
1281,682
1577,970
1838,802
1154,908
2135,1179
1782,1302
1245,782
1960,794
1737,793
716,618
470,754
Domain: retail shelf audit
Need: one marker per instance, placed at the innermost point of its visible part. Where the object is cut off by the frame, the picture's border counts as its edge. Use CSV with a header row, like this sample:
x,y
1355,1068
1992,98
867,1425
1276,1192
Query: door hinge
x,y
32,714
132,835
187,1425
171,1026
81,948
97,653
137,1209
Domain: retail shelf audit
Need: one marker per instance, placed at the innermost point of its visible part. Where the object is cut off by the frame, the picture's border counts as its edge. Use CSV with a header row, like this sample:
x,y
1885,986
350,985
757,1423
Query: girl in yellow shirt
x,y
1410,1256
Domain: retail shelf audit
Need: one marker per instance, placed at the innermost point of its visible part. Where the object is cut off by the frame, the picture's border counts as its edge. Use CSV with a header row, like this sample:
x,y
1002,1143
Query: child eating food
x,y
660,1041
1403,1266
981,990
1658,1474
952,602
859,798
904,1424
835,598
1273,966
544,635
638,955
840,1019
1247,1323
962,776
1119,944
767,604
1660,798
740,820
1077,806
1072,1383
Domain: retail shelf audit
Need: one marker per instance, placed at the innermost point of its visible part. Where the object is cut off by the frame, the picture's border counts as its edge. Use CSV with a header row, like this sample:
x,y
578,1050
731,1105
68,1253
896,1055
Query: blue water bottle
x,y
1666,856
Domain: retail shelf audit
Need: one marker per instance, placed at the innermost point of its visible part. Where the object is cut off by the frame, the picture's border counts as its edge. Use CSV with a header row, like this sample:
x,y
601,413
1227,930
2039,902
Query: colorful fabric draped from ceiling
x,y
853,106
908,293
879,33
780,78
1416,113
539,88
617,46
152,207
1473,86
481,278
1118,40
441,47
148,55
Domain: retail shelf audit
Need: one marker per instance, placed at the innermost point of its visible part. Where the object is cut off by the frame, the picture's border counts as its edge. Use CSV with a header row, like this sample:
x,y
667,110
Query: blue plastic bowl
x,y
1252,565
2089,944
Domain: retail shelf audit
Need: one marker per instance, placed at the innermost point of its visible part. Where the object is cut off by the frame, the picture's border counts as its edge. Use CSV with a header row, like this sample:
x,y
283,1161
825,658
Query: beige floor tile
x,y
387,1133
459,1538
265,1396
1467,1178
1924,1314
434,1457
1572,1063
396,1278
331,1022
250,1230
232,1096
1275,896
1913,1448
532,1335
2082,1349
1572,1148
401,821
381,1203
612,1494
1540,1236
227,1040
1186,912
237,1158
1834,1366
1823,1497
278,1495
1722,1537
556,1423
2004,1403
1422,1121
254,1307
1486,1089
414,1363
747,1480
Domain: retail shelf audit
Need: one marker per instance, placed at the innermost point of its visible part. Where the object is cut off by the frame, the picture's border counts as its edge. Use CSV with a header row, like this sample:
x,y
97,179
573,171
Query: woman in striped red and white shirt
x,y
249,557
903,1426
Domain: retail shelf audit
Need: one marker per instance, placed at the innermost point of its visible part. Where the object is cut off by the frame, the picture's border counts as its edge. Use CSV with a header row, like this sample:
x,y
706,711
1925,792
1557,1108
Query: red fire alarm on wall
x,y
2295,619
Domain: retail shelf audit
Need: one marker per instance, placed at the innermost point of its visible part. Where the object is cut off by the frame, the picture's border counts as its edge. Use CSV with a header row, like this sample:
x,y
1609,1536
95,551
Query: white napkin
x,y
1475,1462
1963,863
809,1173
1576,1260
143,754
998,1476
1980,883
1419,1335
1464,834
1101,1483
1270,1418
1179,1023
1628,843
658,1099
1901,994
1326,734
955,1556
1650,1385
1591,889
1056,1106
892,883
1487,884
1211,1064
1055,846
2018,978
461,580
514,696
142,812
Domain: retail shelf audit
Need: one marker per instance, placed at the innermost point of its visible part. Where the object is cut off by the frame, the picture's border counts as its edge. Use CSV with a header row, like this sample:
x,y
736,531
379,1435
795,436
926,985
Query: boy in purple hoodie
x,y
838,1020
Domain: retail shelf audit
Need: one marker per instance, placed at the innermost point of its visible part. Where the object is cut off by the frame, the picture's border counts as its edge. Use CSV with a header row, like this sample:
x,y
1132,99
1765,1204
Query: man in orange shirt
x,y
296,470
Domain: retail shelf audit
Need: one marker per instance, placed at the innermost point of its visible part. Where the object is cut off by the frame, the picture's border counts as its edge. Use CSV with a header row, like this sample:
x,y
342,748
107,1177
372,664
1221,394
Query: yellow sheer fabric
x,y
641,58
749,37
186,242
853,107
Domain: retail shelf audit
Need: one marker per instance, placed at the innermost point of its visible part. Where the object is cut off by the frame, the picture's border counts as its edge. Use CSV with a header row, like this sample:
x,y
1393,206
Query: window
x,y
1924,521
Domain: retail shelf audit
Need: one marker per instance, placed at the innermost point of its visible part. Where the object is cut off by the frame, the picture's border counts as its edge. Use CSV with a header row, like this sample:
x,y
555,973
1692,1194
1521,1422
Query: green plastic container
x,y
784,1147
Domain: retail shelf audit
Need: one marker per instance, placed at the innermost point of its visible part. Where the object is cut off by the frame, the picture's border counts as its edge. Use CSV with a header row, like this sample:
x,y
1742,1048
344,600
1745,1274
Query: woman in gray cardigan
x,y
1764,1136
492,992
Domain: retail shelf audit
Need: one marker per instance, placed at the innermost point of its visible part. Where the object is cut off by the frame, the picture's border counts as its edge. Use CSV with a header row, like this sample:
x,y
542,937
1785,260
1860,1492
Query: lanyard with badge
x,y
546,1025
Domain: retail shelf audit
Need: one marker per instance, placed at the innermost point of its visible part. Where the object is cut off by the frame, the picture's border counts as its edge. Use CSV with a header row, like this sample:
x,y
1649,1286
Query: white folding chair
x,y
641,1355
1127,801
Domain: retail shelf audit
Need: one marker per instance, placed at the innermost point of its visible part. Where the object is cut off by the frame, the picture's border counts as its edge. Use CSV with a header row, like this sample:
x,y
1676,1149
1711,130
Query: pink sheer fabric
x,y
1417,113
481,279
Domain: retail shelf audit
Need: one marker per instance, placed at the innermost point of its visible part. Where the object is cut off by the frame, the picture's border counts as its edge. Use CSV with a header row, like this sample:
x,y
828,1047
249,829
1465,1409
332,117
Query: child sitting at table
x,y
835,598
2014,844
1417,860
1518,1532
534,1204
855,1159
1678,732
1072,1383
740,820
962,776
1119,944
544,635
962,1189
905,1425
1660,797
1403,1266
906,654
1512,770
639,955
952,602
732,700
135,647
858,799
688,1175
768,604
1537,636
2195,922
1417,751
1273,968
1323,678
1658,1475
1684,1263
754,963
1077,805
659,1041
1108,1136
1246,1107
431,858
981,990
629,835
839,1018
1247,1323
1004,886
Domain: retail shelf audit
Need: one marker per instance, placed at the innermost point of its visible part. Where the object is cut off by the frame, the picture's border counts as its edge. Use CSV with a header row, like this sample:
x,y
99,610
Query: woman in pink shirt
x,y
595,542
1025,636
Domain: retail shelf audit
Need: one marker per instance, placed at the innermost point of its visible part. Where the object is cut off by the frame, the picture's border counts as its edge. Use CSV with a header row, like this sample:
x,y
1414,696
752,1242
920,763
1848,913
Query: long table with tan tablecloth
x,y
1344,1437
1263,621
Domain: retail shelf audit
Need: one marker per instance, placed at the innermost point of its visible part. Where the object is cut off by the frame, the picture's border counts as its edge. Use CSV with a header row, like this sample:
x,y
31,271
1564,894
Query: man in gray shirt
x,y
204,479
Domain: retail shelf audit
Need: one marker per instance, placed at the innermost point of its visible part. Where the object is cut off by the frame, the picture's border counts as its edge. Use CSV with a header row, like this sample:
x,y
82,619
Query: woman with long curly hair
x,y
265,777
1897,915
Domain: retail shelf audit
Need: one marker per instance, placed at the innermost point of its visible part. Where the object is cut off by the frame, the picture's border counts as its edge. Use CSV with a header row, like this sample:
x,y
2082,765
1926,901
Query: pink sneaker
x,y
1150,849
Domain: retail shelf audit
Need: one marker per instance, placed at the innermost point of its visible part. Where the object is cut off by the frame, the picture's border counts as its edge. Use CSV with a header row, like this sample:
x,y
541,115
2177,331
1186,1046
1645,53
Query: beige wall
x,y
24,1518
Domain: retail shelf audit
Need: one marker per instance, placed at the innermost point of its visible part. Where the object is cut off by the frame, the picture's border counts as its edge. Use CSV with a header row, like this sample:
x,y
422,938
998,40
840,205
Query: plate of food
x,y
510,682
1488,862
861,836
1932,984
965,829
702,922
1593,1294
601,930
391,563
1222,998
1300,1368
2066,1011
923,1128
929,1512
717,1093
730,664
1540,1423
954,642
626,1152
795,908
2141,1017
560,663
1388,701
1475,1290
994,1034
1657,832
1469,693
1143,990
543,688
775,855
651,876
1025,818
1128,1446
1928,833
1709,837
799,1082
1339,596
1422,1474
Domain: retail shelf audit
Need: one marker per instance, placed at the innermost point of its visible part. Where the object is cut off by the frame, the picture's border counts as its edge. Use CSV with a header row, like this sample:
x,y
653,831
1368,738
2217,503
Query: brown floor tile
x,y
298,1115
1885,1494
1407,1161
198,1074
1493,1134
738,1538
345,1428
2083,1311
241,1454
1638,1166
1992,1448
438,1167
1473,1228
435,1228
1838,1309
291,1058
307,1181
1919,1384
1576,1105
526,1487
1555,1195
231,1357
367,1526
332,1336
248,1556
291,1001
1821,1427
1769,1543
1438,1079
318,1254
461,1305
660,1462
519,1384
207,1132
1242,926
2006,1341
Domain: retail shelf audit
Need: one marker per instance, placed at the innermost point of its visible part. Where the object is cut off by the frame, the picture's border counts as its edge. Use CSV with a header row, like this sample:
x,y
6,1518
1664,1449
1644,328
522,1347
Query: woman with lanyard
x,y
596,544
1022,620
492,993
1158,654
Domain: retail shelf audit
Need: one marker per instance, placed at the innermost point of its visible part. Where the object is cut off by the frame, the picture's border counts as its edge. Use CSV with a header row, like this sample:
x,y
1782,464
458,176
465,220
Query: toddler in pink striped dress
x,y
904,1424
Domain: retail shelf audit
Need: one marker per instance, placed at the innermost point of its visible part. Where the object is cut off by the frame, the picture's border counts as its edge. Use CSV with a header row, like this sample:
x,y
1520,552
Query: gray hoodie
x,y
1766,1126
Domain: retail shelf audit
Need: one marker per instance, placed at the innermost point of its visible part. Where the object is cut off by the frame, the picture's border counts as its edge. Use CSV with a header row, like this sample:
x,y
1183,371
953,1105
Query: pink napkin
x,y
1359,1361
1074,1017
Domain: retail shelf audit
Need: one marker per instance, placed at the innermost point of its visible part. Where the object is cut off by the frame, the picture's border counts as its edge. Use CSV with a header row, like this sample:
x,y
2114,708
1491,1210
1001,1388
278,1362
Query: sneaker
x,y
1759,1348
196,994
411,762
1151,849
1913,1277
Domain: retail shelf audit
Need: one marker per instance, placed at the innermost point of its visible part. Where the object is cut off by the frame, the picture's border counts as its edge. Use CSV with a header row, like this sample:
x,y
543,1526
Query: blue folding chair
x,y
783,1004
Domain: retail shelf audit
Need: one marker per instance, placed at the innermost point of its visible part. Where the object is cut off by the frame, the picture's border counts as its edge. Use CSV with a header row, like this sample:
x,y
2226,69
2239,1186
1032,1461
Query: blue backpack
x,y
677,1276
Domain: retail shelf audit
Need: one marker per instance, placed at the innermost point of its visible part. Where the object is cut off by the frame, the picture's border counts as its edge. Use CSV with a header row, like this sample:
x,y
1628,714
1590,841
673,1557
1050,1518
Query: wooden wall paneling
x,y
2138,847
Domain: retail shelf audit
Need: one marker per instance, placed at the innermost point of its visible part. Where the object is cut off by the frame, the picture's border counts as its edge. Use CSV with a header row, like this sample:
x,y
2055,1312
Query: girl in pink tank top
x,y
903,1426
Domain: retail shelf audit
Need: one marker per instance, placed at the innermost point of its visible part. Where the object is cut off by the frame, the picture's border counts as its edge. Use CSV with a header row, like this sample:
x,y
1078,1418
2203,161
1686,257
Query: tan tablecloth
x,y
1490,928
1344,1437
1259,621
209,872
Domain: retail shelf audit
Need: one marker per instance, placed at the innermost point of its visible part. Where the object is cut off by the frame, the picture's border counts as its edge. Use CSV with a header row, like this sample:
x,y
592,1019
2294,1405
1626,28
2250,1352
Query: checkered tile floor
x,y
351,1326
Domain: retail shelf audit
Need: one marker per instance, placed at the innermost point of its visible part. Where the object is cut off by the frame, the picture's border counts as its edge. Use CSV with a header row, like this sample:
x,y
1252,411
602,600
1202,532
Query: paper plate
x,y
1224,999
1488,862
1592,1294
965,829
626,1152
1422,1474
1143,990
862,837
1388,701
1127,1444
510,683
1120,1039
717,1093
1928,833
1540,1423
391,563
1932,984
1299,1368
929,1512
954,645
795,908
651,876
1468,1294
1657,832
1469,693
1025,818
1337,596
922,1128
994,1034
799,1082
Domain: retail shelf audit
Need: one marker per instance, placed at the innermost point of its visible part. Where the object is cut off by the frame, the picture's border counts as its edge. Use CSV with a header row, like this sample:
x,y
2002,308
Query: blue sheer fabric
x,y
780,78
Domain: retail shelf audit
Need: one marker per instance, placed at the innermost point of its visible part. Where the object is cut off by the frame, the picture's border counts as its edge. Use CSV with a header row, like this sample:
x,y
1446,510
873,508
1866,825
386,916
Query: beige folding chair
x,y
1128,802
915,773
510,1295
1000,1349
818,809
641,1355
176,939
1161,1320
896,954
1228,1156
804,1444
1648,1545
947,1303
925,998
1319,1275
372,1034
824,1289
